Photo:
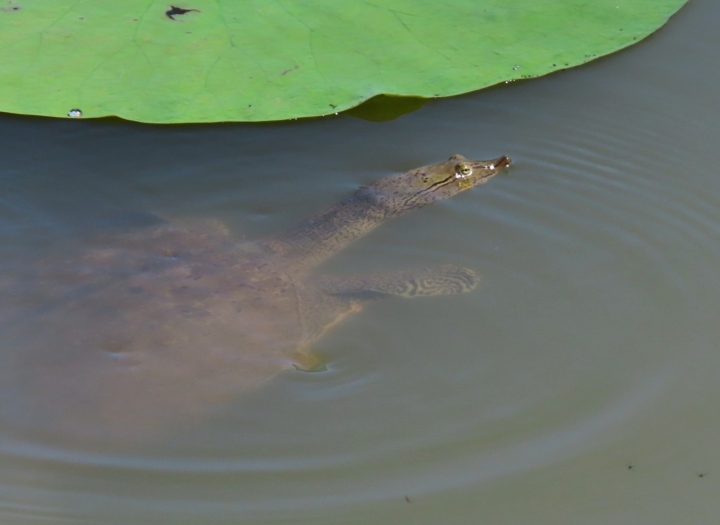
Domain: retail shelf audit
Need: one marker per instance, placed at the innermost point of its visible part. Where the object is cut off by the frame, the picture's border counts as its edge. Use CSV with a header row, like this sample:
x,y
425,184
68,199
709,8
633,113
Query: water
x,y
578,385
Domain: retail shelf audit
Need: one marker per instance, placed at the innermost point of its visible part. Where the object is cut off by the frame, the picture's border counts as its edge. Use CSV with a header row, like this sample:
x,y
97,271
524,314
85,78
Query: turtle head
x,y
421,186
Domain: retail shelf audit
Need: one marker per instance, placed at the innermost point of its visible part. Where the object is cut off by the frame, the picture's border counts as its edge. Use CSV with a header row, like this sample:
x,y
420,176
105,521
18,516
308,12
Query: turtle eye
x,y
463,170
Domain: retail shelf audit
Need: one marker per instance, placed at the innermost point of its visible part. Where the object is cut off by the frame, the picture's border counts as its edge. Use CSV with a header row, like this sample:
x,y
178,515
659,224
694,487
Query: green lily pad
x,y
255,60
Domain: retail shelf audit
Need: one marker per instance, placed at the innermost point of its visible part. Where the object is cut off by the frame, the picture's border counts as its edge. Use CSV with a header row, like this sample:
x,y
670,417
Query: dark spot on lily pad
x,y
174,10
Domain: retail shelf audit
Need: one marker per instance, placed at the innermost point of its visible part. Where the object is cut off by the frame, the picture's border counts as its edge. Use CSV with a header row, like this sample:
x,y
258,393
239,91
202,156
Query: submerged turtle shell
x,y
165,322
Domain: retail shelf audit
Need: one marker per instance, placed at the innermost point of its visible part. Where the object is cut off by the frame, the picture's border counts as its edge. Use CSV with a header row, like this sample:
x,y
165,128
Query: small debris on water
x,y
10,6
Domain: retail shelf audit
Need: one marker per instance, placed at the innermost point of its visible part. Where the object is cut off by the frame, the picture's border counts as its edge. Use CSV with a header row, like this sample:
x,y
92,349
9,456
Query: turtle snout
x,y
503,162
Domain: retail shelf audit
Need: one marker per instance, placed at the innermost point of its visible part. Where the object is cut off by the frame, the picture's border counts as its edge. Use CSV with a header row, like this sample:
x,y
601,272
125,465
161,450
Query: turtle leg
x,y
420,282
308,361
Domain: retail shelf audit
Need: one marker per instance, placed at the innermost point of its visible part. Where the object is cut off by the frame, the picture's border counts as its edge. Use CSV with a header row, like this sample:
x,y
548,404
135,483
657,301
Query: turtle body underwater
x,y
147,330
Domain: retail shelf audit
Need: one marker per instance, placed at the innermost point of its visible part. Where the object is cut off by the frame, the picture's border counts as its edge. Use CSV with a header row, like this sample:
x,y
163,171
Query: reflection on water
x,y
590,346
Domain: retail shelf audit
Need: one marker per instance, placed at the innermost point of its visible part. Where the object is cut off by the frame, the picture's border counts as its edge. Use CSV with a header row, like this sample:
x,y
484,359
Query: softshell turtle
x,y
149,328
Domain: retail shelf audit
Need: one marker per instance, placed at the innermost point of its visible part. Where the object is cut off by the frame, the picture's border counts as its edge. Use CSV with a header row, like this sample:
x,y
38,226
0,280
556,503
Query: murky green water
x,y
578,385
